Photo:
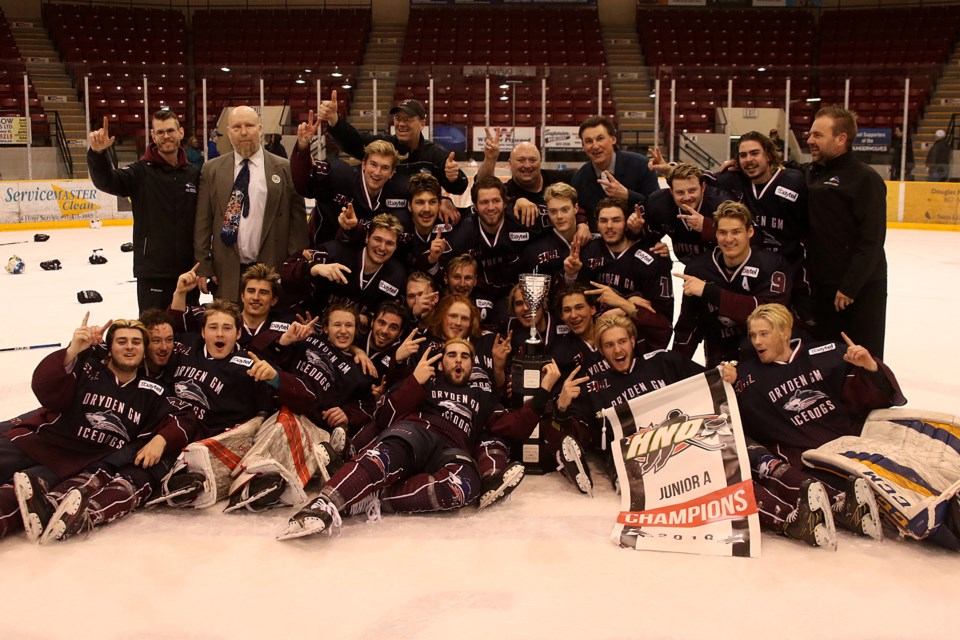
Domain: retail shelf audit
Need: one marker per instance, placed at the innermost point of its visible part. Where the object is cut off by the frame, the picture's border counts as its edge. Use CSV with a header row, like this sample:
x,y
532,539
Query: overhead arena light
x,y
301,81
813,99
504,97
347,85
336,73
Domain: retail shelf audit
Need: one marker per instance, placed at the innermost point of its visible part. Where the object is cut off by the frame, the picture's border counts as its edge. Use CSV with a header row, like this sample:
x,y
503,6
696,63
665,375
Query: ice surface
x,y
539,566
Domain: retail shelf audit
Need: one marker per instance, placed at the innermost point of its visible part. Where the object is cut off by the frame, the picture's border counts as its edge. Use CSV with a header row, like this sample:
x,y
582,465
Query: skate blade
x,y
294,529
871,525
243,502
24,491
826,533
69,506
166,497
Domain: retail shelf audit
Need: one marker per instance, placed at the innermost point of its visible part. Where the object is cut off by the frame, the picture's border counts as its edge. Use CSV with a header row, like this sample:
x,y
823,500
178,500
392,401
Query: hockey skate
x,y
36,506
812,521
369,505
182,489
340,441
261,493
319,516
70,518
859,513
574,466
500,485
329,459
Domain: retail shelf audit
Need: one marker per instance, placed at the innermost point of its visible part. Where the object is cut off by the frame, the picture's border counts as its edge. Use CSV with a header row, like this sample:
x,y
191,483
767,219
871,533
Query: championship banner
x,y
56,200
684,473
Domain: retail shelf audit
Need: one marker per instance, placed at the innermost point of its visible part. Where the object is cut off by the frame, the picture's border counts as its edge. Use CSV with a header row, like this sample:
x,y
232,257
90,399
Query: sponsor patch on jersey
x,y
243,362
563,330
823,348
152,386
388,288
519,236
279,326
483,304
396,203
647,356
643,256
789,194
751,272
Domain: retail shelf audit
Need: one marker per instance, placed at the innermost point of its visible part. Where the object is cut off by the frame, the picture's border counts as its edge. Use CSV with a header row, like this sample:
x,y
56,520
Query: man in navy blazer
x,y
610,172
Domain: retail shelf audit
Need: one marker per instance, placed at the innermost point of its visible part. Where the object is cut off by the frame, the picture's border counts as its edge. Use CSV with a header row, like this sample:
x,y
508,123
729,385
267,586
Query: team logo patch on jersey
x,y
789,194
190,188
804,398
190,390
279,326
243,362
396,203
388,288
152,386
107,421
834,181
823,348
518,236
643,256
750,272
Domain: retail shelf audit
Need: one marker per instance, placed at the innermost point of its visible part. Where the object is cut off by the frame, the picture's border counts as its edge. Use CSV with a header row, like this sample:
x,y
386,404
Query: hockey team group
x,y
367,349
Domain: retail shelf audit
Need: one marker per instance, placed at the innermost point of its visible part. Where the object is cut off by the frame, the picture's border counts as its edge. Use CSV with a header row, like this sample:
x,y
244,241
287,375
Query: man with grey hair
x,y
247,211
938,158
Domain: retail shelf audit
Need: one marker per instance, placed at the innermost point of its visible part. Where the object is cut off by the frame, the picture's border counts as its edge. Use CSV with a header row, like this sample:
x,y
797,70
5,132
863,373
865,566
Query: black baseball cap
x,y
410,107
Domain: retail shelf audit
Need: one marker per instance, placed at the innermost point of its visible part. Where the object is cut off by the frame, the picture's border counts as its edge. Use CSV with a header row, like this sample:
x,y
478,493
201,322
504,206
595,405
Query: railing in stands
x,y
61,139
952,131
695,151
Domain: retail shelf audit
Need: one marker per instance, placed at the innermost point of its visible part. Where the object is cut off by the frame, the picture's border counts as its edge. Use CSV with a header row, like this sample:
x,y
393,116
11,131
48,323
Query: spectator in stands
x,y
416,152
162,187
610,173
274,145
938,159
247,211
213,151
848,226
194,152
899,140
777,140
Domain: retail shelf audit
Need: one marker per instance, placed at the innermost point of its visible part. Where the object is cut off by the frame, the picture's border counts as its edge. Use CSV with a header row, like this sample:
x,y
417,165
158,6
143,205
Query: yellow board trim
x,y
63,224
923,227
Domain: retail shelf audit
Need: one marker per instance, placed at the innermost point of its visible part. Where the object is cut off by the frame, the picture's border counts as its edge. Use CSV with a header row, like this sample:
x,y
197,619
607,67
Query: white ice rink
x,y
539,566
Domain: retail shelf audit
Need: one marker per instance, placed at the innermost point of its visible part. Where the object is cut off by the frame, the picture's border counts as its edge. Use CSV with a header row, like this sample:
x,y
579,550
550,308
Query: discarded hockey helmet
x,y
15,265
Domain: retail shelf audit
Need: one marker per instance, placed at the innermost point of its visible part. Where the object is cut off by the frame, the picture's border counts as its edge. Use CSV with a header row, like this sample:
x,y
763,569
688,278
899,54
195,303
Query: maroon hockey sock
x,y
89,481
492,457
772,509
376,468
115,499
451,487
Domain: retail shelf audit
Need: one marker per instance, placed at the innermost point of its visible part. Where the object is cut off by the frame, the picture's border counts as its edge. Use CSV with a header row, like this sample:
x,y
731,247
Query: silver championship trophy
x,y
525,373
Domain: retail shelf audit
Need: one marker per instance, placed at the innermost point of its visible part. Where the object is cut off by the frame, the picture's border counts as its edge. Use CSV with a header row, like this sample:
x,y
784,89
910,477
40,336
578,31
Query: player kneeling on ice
x,y
419,462
97,413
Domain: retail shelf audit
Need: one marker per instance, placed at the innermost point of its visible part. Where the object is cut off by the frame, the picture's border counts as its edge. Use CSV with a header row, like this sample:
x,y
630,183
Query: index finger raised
x,y
846,338
86,317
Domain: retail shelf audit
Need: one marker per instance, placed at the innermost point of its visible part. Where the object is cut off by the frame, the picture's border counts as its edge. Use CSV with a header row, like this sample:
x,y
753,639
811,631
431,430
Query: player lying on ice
x,y
420,461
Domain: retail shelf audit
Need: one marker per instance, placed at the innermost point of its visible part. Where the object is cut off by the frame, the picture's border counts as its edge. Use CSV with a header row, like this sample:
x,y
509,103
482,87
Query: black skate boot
x,y
812,521
70,518
319,516
182,489
36,506
328,459
859,512
261,493
573,465
500,485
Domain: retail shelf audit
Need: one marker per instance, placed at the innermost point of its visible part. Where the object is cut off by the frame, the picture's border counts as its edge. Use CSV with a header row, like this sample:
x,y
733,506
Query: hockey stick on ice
x,y
32,346
4,244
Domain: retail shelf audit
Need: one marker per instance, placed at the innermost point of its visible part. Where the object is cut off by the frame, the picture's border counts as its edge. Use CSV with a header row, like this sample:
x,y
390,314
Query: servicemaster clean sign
x,y
53,200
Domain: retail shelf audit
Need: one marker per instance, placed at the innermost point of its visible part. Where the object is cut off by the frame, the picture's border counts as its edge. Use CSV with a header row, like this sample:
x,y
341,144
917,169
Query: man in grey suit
x,y
247,211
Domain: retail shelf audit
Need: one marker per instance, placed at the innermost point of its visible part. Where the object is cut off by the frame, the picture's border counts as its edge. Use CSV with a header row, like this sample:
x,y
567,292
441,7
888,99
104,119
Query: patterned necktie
x,y
238,205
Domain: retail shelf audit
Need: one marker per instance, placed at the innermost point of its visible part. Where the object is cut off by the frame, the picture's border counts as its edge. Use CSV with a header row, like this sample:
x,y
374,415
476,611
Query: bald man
x,y
527,180
247,211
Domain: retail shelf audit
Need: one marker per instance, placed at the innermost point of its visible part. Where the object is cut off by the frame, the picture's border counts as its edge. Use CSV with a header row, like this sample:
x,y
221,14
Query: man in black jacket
x,y
416,152
848,226
162,187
